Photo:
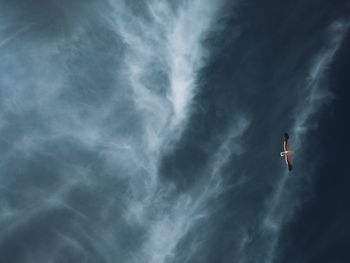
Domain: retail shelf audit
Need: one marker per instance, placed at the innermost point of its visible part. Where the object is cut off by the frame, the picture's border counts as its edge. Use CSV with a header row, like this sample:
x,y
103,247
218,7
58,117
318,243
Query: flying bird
x,y
287,153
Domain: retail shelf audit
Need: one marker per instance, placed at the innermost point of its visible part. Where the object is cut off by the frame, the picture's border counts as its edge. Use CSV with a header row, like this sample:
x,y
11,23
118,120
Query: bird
x,y
287,153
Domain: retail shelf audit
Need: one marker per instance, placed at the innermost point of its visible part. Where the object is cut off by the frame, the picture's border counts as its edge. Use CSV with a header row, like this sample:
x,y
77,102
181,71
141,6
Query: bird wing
x,y
285,143
289,162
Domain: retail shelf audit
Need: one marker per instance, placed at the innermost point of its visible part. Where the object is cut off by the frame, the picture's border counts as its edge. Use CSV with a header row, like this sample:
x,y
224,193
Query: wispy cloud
x,y
154,56
315,94
163,54
173,221
88,116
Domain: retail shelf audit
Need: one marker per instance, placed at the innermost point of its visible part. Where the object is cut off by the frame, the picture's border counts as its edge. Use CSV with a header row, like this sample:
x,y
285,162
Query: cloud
x,y
90,122
315,95
92,104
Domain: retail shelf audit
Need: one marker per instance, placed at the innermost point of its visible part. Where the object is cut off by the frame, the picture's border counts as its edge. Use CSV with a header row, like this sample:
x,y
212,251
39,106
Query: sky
x,y
151,131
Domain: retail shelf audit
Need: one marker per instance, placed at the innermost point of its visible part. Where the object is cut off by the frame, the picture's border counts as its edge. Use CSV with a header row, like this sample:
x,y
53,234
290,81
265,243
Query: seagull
x,y
287,153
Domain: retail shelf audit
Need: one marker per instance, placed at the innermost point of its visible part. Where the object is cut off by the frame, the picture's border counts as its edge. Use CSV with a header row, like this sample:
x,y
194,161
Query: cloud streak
x,y
96,109
315,95
87,148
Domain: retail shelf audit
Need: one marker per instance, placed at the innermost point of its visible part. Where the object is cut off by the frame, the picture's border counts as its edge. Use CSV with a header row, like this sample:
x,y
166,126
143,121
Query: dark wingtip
x,y
286,136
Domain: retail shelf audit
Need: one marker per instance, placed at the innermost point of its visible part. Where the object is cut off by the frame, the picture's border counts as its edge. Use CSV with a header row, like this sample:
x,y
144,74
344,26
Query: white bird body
x,y
287,153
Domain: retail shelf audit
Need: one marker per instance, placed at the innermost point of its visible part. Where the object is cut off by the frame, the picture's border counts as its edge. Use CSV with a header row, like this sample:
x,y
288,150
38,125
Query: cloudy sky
x,y
149,131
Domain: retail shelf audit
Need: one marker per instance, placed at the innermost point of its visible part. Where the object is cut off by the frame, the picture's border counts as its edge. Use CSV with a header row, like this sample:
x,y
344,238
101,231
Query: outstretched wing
x,y
288,159
285,143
